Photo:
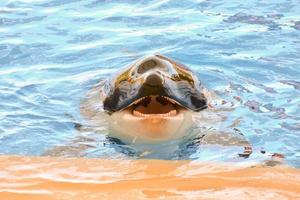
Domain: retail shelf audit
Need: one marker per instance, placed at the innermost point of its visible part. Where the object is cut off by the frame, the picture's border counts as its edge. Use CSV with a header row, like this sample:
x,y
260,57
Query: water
x,y
52,52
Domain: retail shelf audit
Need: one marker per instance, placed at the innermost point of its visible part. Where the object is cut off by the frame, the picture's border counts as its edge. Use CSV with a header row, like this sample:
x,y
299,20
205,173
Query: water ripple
x,y
53,51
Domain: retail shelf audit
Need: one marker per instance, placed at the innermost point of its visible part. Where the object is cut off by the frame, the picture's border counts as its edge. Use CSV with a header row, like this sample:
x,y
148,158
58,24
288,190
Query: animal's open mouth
x,y
158,106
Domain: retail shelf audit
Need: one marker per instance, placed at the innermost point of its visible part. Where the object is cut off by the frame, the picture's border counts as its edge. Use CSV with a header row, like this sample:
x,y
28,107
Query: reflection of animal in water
x,y
155,105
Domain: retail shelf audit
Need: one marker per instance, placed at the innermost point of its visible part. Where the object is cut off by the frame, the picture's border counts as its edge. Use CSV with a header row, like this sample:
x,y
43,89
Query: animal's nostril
x,y
145,66
154,80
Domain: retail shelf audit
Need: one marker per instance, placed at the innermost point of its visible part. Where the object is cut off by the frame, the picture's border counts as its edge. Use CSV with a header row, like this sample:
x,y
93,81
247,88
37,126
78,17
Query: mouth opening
x,y
159,106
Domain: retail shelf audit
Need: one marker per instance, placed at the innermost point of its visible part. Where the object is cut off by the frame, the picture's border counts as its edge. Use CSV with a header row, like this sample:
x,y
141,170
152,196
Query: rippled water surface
x,y
53,51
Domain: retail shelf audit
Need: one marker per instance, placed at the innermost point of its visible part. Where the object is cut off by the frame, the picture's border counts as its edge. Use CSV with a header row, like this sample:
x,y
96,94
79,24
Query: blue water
x,y
53,51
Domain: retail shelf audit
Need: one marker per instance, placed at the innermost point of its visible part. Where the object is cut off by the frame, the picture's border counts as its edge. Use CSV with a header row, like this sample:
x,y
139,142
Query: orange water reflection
x,y
60,178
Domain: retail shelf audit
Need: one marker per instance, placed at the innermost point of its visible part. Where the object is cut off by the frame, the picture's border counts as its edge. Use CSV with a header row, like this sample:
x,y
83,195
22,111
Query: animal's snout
x,y
154,79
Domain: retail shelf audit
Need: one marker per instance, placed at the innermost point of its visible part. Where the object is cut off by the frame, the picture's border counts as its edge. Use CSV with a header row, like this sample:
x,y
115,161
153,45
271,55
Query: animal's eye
x,y
175,77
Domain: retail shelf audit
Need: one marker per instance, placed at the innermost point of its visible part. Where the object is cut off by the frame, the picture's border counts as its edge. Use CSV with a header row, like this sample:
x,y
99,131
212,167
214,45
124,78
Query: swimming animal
x,y
155,100
152,107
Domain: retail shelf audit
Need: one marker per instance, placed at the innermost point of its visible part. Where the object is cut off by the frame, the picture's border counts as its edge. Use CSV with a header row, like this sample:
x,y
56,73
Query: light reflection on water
x,y
52,52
